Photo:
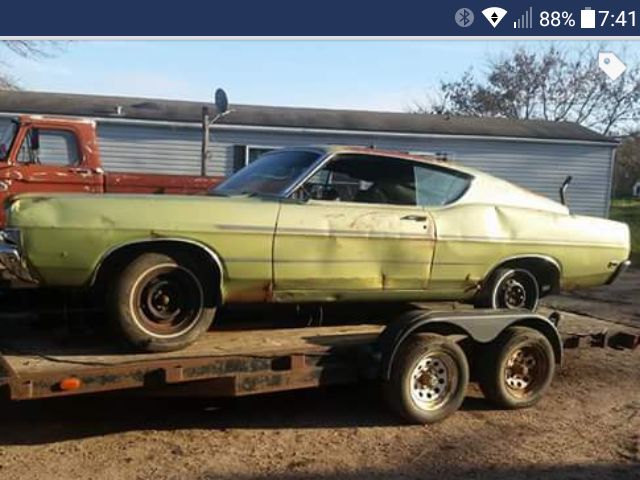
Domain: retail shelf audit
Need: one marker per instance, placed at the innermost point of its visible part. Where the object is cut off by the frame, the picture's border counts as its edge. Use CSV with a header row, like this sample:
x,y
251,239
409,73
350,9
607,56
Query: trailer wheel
x,y
429,378
159,303
517,368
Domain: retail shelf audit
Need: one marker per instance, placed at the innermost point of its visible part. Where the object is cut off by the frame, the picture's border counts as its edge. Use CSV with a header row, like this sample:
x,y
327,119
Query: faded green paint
x,y
282,250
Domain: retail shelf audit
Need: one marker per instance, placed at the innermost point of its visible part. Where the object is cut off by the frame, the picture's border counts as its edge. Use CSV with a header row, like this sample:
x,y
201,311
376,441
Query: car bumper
x,y
12,265
620,269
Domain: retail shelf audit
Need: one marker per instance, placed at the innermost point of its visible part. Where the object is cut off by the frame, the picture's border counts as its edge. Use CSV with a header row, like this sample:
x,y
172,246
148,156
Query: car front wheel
x,y
159,303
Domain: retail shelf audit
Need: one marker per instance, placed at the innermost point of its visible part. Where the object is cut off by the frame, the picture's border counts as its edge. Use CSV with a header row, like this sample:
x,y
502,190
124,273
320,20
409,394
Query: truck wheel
x,y
429,379
517,368
160,304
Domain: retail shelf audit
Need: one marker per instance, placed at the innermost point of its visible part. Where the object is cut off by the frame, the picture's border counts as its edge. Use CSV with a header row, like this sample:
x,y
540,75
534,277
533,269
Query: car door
x,y
50,160
338,245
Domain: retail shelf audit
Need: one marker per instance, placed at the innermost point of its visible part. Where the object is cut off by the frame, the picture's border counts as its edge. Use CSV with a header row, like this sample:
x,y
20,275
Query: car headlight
x,y
11,235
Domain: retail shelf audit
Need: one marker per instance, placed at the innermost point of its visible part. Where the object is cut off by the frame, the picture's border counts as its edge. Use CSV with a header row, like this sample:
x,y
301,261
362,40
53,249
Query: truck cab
x,y
40,154
46,154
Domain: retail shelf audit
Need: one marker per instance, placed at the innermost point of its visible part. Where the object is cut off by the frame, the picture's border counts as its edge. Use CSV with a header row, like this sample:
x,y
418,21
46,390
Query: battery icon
x,y
587,18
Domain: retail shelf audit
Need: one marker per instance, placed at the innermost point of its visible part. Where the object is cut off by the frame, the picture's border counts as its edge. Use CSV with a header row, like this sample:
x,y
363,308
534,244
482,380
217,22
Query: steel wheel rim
x,y
511,291
433,380
514,294
525,370
167,300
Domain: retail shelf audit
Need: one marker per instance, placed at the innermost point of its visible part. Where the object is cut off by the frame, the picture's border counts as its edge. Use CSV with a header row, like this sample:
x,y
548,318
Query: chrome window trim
x,y
323,159
208,250
328,156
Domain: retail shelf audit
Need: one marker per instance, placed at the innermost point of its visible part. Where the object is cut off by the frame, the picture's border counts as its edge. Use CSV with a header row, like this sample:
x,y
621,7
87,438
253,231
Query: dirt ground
x,y
587,427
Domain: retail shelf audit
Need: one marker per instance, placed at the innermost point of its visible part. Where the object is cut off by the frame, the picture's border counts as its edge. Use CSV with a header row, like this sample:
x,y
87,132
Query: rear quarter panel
x,y
474,239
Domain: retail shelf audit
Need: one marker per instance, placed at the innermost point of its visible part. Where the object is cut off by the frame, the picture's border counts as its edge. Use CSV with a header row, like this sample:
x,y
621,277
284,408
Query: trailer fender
x,y
482,326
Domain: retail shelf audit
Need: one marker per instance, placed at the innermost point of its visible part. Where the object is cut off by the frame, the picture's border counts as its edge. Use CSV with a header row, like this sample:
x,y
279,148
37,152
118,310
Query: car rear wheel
x,y
159,303
510,288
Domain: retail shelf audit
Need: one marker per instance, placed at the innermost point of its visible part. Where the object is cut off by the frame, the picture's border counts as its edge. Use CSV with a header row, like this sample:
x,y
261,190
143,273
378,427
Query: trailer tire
x,y
428,380
517,368
160,303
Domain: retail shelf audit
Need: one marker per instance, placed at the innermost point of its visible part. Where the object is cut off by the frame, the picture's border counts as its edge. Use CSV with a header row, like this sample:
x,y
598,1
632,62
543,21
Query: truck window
x,y
7,139
56,147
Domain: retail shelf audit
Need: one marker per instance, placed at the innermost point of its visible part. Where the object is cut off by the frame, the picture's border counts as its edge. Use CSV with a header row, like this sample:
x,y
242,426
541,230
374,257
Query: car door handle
x,y
415,218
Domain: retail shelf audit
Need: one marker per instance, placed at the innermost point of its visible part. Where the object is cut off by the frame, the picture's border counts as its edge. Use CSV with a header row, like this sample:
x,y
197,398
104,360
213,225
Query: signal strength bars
x,y
526,20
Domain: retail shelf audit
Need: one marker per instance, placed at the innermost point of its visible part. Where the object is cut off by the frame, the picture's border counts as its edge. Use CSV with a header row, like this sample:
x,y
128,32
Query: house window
x,y
246,154
252,153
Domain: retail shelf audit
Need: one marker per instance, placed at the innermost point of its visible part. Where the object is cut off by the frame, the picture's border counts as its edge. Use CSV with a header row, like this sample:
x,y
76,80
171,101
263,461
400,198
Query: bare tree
x,y
554,84
25,49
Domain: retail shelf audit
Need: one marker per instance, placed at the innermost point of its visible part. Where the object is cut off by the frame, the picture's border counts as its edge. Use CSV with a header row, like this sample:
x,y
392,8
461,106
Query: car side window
x,y
54,147
364,178
439,186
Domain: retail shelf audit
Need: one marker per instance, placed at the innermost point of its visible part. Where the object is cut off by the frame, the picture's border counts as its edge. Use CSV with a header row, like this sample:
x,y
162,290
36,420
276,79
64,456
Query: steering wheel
x,y
303,192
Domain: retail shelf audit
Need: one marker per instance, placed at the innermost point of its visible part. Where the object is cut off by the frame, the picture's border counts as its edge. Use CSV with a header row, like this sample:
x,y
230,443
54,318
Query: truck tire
x,y
429,379
159,303
517,368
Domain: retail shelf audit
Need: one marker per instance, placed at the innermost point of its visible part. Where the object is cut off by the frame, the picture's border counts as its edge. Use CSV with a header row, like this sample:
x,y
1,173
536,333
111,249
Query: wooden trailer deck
x,y
242,362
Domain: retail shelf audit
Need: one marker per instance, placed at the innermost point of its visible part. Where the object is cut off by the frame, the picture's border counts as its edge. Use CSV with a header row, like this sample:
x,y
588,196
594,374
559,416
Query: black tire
x,y
517,368
510,288
159,303
440,364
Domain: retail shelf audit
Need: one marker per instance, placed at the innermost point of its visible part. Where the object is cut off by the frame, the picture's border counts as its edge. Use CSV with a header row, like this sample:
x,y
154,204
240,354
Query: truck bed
x,y
116,182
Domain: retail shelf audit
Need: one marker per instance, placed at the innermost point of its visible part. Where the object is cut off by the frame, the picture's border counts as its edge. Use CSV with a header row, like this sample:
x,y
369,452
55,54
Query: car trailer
x,y
424,360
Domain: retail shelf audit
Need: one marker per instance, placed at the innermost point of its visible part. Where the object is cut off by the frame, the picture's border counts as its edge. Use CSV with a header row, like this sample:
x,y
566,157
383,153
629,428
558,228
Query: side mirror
x,y
34,139
563,189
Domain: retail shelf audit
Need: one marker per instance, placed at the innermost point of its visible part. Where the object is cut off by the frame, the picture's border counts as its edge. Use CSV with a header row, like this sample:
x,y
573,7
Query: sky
x,y
368,75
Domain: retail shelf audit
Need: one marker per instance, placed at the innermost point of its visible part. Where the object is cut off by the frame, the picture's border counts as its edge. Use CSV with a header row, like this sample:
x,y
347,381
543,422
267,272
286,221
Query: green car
x,y
309,225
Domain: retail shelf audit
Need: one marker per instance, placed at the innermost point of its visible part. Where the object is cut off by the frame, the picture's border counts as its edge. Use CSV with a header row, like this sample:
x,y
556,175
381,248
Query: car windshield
x,y
271,174
7,139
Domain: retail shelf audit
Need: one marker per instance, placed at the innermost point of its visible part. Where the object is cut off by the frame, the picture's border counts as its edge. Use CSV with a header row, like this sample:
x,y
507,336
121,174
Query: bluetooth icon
x,y
464,17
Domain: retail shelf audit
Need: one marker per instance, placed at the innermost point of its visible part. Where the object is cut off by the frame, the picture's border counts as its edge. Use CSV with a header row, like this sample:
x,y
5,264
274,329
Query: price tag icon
x,y
610,64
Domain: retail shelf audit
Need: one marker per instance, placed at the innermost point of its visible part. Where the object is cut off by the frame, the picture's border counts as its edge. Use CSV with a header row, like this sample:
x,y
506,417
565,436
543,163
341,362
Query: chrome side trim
x,y
537,256
325,233
522,241
210,252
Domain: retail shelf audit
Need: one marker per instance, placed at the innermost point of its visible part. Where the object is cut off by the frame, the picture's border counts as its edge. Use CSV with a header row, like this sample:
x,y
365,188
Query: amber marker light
x,y
70,383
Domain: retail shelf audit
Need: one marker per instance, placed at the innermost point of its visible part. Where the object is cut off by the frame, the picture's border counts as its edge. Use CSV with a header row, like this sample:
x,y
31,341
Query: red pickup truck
x,y
40,154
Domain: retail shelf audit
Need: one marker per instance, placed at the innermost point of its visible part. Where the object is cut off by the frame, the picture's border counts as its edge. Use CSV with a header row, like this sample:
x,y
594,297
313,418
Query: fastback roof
x,y
291,117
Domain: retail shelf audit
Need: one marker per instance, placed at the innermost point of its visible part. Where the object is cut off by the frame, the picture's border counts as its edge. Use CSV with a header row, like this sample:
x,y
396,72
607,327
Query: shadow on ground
x,y
53,420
